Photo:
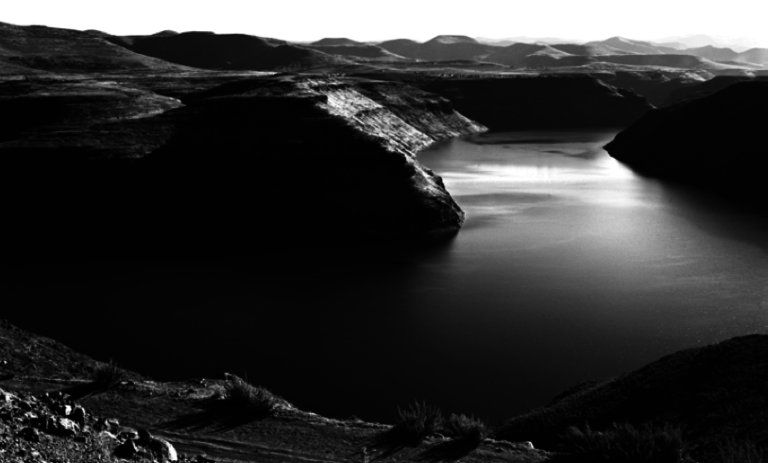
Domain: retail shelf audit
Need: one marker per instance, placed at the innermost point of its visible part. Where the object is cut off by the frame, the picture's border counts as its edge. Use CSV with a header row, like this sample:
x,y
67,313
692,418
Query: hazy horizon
x,y
305,21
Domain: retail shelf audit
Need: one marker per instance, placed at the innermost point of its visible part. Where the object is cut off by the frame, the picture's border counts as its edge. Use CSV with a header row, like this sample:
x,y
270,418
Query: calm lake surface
x,y
570,267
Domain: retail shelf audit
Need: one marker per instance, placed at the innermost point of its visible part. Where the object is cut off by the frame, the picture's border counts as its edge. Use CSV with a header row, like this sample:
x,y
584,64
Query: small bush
x,y
462,427
418,421
623,443
107,375
245,397
733,451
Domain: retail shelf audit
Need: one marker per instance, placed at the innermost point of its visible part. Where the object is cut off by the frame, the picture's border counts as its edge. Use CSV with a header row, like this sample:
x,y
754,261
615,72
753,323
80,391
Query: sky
x,y
309,20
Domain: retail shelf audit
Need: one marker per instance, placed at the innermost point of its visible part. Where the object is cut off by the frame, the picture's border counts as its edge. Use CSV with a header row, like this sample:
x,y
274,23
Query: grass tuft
x,y
245,397
465,428
418,421
624,443
734,451
107,375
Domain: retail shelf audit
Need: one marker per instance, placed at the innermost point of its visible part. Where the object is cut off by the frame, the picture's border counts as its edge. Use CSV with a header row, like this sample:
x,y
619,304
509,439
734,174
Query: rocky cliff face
x,y
290,159
715,141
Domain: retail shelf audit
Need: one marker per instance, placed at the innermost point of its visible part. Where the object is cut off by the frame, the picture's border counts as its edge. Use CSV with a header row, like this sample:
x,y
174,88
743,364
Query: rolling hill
x,y
207,50
440,48
634,46
35,49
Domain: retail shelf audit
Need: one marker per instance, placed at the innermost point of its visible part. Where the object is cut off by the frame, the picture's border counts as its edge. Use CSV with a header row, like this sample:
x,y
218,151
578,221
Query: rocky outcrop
x,y
55,426
292,159
544,101
715,141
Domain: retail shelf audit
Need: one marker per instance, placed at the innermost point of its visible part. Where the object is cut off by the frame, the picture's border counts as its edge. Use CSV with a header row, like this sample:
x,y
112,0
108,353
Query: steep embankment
x,y
715,141
39,49
715,393
539,102
292,159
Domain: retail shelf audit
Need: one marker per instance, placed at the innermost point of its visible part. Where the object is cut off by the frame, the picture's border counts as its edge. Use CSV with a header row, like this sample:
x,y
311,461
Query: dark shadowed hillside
x,y
716,141
207,50
714,392
546,101
403,47
294,159
701,89
335,41
452,47
373,52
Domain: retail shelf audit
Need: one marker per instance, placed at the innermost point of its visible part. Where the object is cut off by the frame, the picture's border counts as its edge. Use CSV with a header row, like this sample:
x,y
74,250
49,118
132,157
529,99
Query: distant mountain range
x,y
701,40
615,50
35,49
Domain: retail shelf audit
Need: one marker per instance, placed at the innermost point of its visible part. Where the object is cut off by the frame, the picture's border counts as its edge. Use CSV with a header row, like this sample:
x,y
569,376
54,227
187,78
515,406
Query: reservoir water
x,y
570,267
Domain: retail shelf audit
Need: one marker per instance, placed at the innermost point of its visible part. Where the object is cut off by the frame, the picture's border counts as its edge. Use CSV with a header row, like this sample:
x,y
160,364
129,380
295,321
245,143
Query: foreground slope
x,y
715,392
191,414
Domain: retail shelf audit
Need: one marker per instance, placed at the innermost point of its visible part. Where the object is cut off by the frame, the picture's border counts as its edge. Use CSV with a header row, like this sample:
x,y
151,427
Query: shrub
x,y
462,427
418,421
107,375
733,451
245,397
623,443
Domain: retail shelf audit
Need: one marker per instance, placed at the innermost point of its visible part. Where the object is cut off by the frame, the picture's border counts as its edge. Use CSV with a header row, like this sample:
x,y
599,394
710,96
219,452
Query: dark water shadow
x,y
448,451
587,154
718,214
726,210
541,137
214,417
